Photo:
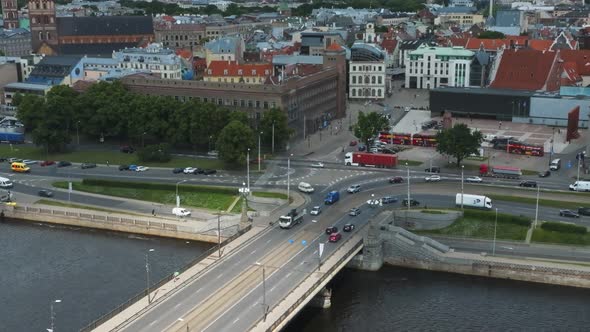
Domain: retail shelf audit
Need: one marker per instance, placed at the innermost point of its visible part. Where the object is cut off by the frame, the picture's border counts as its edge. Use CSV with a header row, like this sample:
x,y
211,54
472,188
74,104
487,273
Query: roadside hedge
x,y
502,217
158,186
564,228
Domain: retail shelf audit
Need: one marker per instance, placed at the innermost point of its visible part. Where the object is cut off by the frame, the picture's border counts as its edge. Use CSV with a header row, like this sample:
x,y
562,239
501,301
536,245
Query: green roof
x,y
455,51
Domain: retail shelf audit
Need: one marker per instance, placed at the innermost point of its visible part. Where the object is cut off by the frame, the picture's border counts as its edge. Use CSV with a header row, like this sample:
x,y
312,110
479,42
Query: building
x,y
225,49
57,70
431,67
510,22
233,72
527,69
15,42
12,89
154,59
97,68
393,19
184,36
462,19
10,14
314,43
366,72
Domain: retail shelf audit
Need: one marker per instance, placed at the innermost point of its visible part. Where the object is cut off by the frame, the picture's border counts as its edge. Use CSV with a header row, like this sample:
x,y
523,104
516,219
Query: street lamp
x,y
178,197
289,178
495,228
409,202
210,138
264,307
147,273
273,138
579,164
259,135
248,167
462,194
78,132
52,315
143,139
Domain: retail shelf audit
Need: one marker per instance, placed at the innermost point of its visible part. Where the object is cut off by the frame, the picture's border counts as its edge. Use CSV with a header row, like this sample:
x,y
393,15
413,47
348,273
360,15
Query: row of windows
x,y
363,92
367,68
232,102
372,80
43,19
240,80
136,65
180,37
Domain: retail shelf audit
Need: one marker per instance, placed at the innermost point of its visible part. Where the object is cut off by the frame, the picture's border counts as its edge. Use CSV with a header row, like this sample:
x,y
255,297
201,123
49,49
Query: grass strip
x,y
545,236
531,200
79,206
402,162
269,194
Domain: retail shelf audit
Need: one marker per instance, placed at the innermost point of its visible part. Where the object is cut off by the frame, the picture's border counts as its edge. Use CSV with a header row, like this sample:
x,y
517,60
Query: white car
x,y
318,165
315,210
189,170
29,161
373,202
142,168
474,179
432,178
181,212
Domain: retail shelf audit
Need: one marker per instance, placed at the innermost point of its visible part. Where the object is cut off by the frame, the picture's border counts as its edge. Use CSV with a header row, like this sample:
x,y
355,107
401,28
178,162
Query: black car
x,y
585,211
413,202
127,149
528,184
45,193
63,163
87,165
433,169
396,179
388,199
177,170
209,171
348,228
199,171
331,230
568,213
544,174
123,167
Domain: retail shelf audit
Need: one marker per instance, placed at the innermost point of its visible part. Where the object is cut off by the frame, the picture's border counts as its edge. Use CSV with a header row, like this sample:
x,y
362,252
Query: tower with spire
x,y
10,14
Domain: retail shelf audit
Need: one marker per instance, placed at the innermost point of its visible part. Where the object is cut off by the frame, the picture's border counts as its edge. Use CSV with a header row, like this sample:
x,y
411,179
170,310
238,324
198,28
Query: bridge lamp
x,y
52,315
264,306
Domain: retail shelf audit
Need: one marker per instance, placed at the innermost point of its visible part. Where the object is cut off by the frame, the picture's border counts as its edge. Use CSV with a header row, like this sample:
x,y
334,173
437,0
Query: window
x,y
250,104
225,72
380,80
258,104
240,72
219,101
373,79
354,92
242,103
354,80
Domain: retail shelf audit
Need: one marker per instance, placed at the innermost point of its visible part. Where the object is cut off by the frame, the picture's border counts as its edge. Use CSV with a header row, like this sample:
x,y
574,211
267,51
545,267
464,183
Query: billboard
x,y
573,117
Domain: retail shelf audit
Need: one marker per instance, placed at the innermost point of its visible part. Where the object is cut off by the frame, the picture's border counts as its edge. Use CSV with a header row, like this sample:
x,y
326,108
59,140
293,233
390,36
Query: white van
x,y
555,164
181,212
5,183
305,187
580,186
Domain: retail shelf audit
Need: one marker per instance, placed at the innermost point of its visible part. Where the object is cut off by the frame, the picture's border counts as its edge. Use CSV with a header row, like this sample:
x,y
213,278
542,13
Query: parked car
x,y
45,193
348,228
473,179
413,202
141,168
213,153
29,162
317,165
355,188
354,212
432,178
127,149
2,159
189,170
87,165
331,229
353,143
47,163
132,168
544,174
63,163
396,179
123,167
568,213
181,212
335,237
585,211
433,169
209,171
361,147
316,210
177,170
388,199
199,171
528,184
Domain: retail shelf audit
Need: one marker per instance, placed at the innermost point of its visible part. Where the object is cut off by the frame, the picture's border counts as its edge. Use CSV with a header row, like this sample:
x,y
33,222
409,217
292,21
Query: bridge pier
x,y
323,299
371,257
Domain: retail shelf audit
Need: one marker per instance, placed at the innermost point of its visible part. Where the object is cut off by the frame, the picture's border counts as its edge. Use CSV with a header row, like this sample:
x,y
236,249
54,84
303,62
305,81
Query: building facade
x,y
366,72
43,26
233,72
466,19
15,42
432,67
180,35
155,59
10,14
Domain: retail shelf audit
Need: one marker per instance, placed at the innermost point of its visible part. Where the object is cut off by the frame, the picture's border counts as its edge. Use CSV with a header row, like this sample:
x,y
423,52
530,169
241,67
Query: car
x,y
348,228
127,149
63,163
213,153
29,162
568,213
432,178
14,160
389,199
181,212
361,147
335,237
413,202
473,179
209,171
528,184
199,171
396,179
189,170
433,169
355,188
354,212
123,167
141,168
315,210
317,165
544,174
373,202
47,163
2,159
45,193
353,143
87,165
585,211
374,150
331,229
177,170
132,168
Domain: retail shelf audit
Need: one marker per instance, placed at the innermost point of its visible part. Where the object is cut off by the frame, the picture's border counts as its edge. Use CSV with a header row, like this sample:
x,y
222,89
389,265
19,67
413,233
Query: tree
x,y
368,125
491,35
282,132
233,143
458,142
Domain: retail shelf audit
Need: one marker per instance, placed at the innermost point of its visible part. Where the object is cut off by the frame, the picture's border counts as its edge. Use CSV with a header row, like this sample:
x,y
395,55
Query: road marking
x,y
154,322
254,251
273,287
268,240
288,274
315,252
176,306
219,276
236,320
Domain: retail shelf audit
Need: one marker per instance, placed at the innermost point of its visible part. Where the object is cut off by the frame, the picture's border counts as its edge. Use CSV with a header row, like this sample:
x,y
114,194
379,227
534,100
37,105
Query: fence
x,y
160,283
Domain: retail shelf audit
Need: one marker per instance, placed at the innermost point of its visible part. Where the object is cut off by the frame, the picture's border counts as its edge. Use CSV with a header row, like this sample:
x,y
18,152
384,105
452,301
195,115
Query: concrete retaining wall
x,y
415,219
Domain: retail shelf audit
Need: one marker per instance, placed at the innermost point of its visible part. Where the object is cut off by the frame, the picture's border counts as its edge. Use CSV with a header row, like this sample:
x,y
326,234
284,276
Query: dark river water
x,y
93,271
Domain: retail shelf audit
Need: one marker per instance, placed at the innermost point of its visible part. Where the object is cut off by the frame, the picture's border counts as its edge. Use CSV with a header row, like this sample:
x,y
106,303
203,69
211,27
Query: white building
x,y
366,72
432,67
154,58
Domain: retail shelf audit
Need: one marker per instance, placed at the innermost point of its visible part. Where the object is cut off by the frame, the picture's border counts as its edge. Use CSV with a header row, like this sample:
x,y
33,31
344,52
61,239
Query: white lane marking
x,y
288,274
176,306
268,240
154,322
273,287
315,252
219,276
254,251
236,320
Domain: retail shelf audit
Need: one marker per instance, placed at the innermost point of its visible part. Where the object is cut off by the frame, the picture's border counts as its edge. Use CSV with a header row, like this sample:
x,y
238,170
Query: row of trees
x,y
110,111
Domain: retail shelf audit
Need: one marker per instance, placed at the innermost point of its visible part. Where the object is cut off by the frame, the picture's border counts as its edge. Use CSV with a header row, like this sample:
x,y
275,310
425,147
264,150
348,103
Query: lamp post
x,y
289,177
264,310
537,206
462,169
78,132
210,138
147,273
178,197
248,168
219,234
409,202
273,138
259,135
495,227
143,139
579,164
52,317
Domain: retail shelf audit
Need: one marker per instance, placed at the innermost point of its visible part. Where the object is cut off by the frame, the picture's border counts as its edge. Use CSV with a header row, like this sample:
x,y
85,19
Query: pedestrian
x,y
500,125
108,163
153,212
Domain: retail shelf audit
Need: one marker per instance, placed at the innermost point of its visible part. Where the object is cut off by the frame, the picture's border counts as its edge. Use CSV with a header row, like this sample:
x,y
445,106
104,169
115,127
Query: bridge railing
x,y
309,291
160,283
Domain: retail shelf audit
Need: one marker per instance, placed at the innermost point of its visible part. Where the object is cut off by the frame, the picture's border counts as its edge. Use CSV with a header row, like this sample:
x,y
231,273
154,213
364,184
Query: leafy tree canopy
x,y
491,35
458,142
368,125
233,143
282,132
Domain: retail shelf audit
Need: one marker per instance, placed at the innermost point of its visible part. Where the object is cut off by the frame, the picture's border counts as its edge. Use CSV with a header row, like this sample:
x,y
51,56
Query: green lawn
x,y
531,200
78,206
402,162
101,157
541,235
269,194
529,172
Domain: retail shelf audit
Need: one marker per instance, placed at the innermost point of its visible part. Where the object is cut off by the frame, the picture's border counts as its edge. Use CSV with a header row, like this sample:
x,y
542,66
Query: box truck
x,y
476,201
290,219
379,160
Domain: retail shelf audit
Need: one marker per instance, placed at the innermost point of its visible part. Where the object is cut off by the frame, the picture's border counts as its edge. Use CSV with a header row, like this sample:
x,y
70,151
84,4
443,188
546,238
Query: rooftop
x,y
455,51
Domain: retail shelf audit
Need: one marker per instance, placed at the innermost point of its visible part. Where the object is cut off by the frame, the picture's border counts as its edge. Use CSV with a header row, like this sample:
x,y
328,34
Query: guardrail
x,y
309,291
164,280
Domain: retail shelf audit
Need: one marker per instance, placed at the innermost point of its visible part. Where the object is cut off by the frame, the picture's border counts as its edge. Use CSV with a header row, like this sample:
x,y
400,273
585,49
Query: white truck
x,y
305,187
290,219
477,201
580,186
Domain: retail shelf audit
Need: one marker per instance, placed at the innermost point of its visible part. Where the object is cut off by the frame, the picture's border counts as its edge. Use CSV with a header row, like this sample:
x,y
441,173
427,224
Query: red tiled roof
x,y
580,57
540,45
389,45
334,47
488,44
185,54
528,69
459,41
570,74
228,68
